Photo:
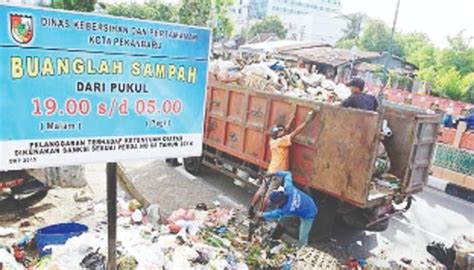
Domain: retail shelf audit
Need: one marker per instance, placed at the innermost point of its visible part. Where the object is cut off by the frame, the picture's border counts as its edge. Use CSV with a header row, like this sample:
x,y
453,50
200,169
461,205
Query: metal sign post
x,y
112,215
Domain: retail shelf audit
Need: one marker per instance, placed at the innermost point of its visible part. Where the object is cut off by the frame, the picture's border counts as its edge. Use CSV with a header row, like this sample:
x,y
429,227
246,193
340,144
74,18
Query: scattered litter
x,y
443,254
201,206
153,214
216,203
7,232
93,261
7,260
238,183
57,234
82,196
134,205
25,224
137,216
127,263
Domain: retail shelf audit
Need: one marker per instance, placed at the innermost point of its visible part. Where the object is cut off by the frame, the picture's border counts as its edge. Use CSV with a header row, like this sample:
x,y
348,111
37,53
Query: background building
x,y
258,9
284,8
240,12
322,27
310,20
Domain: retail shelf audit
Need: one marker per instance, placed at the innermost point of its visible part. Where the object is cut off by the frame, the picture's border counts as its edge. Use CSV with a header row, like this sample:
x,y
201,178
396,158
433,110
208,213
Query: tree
x,y
459,54
467,83
223,26
407,44
211,13
449,84
77,5
195,12
423,56
269,24
150,11
375,37
347,43
353,27
449,70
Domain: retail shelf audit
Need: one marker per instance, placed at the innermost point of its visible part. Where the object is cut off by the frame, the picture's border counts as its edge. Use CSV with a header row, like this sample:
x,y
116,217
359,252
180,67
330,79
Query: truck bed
x,y
336,151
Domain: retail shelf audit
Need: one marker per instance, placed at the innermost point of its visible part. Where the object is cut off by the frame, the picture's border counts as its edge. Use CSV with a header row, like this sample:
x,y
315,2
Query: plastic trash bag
x,y
386,130
93,261
8,261
328,84
443,254
342,91
153,214
262,71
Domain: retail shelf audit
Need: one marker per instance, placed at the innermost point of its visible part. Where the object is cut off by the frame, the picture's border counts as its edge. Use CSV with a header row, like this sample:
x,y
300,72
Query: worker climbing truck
x,y
333,158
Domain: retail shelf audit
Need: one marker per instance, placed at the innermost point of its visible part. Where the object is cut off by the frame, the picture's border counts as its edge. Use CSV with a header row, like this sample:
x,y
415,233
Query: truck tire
x,y
192,165
379,227
358,221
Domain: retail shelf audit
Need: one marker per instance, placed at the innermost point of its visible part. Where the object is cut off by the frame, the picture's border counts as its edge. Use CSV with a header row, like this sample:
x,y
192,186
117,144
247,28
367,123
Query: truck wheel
x,y
192,165
358,221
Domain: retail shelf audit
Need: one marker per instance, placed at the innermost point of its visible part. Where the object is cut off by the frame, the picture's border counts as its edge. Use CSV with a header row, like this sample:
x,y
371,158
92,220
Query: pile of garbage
x,y
273,76
200,238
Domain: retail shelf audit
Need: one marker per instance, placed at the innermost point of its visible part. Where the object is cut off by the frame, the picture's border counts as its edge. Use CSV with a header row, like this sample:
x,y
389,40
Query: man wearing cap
x,y
359,99
280,143
292,202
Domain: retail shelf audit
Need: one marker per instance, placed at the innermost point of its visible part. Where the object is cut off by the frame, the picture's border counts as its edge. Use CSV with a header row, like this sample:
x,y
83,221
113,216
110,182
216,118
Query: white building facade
x,y
323,27
300,7
310,20
240,14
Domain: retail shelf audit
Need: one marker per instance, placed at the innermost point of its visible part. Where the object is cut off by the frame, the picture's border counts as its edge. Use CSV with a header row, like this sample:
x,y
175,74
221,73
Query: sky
x,y
437,18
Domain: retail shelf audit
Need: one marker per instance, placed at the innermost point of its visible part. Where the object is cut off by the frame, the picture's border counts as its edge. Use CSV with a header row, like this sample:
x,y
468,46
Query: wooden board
x,y
346,148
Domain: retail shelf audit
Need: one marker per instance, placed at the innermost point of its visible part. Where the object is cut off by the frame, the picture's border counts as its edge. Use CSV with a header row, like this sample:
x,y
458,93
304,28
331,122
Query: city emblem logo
x,y
21,28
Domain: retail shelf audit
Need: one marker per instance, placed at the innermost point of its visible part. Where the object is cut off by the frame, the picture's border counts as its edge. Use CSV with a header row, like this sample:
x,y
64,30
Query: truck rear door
x,y
422,150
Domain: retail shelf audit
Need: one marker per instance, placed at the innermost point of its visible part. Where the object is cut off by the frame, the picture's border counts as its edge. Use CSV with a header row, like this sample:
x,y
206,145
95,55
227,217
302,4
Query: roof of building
x,y
263,37
270,46
326,54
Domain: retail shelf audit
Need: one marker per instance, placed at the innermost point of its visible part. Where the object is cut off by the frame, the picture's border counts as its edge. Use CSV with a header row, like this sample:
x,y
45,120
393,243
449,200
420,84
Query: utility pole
x,y
388,55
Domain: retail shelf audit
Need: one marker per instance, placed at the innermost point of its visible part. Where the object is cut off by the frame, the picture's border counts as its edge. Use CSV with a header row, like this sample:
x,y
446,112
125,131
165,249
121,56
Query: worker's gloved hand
x,y
251,212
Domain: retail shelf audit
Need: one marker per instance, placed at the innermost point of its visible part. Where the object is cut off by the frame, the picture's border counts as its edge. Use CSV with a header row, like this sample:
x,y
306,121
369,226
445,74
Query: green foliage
x,y
270,24
150,11
407,44
76,5
223,26
347,43
459,54
448,70
467,83
449,82
195,12
354,25
213,14
423,56
210,13
375,37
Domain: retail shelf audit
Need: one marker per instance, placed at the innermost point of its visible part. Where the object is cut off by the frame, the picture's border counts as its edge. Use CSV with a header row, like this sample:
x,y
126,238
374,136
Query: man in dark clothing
x,y
358,99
